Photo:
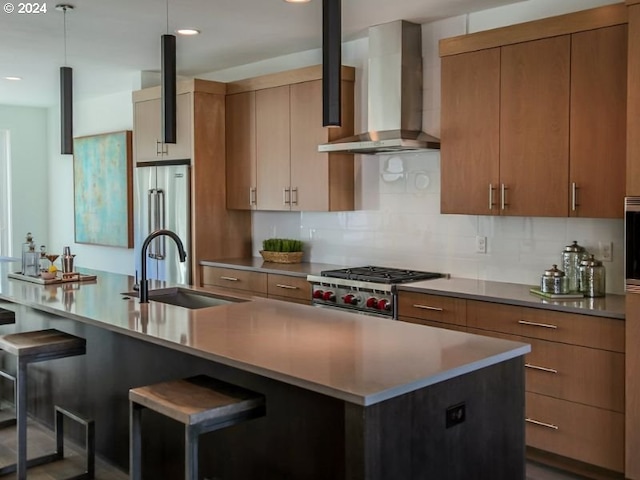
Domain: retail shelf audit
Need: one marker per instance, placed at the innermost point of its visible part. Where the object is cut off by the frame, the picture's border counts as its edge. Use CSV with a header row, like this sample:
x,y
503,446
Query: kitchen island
x,y
348,396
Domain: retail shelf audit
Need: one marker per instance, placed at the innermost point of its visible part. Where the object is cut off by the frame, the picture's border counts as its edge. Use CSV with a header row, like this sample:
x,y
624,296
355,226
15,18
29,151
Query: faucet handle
x,y
136,286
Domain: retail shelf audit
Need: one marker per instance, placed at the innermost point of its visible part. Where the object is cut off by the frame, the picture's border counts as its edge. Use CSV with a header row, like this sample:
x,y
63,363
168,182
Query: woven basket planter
x,y
281,257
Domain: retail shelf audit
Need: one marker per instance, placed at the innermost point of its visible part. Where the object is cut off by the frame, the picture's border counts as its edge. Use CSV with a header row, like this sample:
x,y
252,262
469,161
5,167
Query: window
x,y
5,196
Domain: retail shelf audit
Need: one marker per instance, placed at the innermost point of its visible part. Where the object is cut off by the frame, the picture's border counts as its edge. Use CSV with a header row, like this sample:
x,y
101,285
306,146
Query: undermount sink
x,y
186,298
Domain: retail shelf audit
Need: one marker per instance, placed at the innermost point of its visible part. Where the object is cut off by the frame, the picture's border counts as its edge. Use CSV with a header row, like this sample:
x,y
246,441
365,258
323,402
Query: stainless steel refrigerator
x,y
162,200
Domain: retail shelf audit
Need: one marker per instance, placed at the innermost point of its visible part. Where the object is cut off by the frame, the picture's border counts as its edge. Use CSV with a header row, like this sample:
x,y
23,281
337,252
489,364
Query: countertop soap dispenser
x,y
30,258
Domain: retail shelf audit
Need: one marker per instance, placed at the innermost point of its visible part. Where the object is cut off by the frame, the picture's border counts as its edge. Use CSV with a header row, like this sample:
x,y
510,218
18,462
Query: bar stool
x,y
7,317
32,347
202,404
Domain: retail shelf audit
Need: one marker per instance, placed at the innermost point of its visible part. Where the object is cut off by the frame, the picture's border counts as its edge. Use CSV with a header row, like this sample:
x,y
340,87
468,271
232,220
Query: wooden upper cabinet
x,y
633,106
147,119
598,122
319,181
240,138
470,132
272,147
534,127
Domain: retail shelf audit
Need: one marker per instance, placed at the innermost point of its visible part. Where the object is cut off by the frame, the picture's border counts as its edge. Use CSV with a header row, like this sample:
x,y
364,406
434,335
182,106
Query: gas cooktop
x,y
386,275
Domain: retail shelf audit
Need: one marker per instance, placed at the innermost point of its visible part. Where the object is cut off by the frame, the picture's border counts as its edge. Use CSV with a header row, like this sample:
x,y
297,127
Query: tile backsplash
x,y
398,223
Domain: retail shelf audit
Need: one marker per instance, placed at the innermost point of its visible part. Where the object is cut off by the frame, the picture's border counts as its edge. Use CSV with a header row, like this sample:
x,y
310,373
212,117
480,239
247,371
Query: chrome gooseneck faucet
x,y
144,287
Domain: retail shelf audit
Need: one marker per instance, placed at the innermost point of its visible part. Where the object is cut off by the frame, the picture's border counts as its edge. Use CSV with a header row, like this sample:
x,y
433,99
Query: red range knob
x,y
317,293
329,296
372,302
351,299
384,304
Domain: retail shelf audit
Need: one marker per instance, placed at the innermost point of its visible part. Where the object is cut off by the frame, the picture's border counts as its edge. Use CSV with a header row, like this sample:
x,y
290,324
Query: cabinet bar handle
x,y
542,424
503,196
231,279
294,200
490,196
427,307
574,196
253,196
158,149
290,287
286,196
535,324
544,369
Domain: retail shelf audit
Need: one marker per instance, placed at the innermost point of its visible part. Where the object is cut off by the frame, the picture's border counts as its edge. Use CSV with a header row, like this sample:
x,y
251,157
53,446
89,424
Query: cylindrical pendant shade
x,y
168,88
66,110
331,61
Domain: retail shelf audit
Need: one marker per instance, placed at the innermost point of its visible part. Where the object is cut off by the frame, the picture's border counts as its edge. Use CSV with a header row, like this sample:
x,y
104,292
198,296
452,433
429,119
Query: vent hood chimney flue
x,y
395,94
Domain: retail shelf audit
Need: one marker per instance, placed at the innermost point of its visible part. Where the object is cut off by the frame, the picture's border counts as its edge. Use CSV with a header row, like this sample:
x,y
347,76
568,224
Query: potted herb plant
x,y
281,250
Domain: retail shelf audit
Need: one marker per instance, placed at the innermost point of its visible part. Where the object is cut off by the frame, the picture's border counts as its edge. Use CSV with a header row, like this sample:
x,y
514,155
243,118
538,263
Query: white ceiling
x,y
110,42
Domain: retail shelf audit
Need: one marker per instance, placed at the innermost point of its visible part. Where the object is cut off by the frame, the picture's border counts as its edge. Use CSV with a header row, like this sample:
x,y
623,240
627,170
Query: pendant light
x,y
168,53
331,62
66,94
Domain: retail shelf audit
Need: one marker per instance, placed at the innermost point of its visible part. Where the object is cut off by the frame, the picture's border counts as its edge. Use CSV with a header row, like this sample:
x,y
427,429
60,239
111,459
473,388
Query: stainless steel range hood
x,y
395,94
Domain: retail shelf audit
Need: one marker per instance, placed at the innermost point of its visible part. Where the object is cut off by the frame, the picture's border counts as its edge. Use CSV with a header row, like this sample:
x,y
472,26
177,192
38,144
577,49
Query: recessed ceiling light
x,y
297,1
187,31
13,78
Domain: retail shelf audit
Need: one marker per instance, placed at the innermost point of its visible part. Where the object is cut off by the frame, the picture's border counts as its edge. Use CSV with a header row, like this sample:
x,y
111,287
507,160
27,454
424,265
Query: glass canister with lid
x,y
592,277
572,255
554,281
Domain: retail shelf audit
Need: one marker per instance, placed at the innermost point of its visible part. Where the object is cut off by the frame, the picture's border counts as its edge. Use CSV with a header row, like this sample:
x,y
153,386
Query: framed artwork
x,y
102,189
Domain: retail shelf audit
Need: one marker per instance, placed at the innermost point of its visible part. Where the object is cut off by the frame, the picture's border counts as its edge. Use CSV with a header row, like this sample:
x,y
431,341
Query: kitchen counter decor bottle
x,y
554,281
30,258
572,255
592,277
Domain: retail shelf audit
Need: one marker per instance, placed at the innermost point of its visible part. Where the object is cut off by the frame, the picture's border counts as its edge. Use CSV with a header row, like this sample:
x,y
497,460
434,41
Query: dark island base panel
x,y
304,435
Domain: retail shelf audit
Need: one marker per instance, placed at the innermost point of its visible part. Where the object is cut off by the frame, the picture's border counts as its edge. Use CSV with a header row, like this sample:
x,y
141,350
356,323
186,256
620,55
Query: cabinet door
x,y
181,150
598,122
470,133
272,148
240,132
309,168
146,130
534,127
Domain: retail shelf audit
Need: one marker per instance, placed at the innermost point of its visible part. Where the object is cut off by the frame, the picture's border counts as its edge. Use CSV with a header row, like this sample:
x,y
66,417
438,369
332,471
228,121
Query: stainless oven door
x,y
350,310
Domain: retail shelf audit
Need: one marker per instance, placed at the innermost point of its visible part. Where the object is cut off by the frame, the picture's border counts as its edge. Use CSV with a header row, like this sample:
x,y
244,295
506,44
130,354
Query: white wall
x,y
29,173
105,114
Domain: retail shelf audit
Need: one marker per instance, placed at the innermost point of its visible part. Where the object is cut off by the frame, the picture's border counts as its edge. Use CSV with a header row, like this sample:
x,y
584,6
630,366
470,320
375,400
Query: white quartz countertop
x,y
610,306
356,358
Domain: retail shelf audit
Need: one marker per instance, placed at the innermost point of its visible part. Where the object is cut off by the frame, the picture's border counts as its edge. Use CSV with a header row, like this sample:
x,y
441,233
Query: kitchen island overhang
x,y
357,371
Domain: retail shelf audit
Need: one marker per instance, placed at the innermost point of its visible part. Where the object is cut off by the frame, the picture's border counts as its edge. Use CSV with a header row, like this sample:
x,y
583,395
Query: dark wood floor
x,y
41,441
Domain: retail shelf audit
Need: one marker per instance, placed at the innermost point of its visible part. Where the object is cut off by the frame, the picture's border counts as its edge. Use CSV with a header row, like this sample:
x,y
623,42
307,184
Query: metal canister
x,y
554,281
592,277
572,255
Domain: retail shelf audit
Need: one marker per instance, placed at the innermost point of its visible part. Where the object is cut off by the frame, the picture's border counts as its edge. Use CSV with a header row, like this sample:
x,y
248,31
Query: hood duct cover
x,y
395,94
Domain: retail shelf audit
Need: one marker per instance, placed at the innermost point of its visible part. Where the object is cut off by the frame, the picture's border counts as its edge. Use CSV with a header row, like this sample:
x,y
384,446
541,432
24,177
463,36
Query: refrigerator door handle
x,y
162,252
152,207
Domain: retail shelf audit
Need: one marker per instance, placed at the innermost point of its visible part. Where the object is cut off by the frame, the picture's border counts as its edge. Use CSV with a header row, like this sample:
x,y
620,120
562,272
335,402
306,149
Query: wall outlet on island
x,y
606,251
481,244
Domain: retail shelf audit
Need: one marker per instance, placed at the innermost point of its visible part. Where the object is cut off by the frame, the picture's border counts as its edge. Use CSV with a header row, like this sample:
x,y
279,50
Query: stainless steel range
x,y
370,289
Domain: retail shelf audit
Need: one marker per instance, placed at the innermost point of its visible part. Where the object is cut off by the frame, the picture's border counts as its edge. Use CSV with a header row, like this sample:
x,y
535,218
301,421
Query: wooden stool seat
x,y
48,344
203,404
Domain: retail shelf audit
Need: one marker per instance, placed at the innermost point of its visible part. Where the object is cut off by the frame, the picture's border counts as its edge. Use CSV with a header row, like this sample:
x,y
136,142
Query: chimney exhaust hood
x,y
395,95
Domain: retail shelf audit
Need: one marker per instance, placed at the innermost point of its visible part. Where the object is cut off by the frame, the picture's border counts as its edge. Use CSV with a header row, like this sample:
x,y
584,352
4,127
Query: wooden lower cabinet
x,y
574,374
588,434
261,284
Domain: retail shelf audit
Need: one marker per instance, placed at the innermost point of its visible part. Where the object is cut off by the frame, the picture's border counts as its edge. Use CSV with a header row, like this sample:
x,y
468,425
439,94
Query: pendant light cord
x,y
64,13
167,17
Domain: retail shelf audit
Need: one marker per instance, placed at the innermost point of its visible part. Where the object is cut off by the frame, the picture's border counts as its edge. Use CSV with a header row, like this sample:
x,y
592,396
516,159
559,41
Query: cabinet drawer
x,y
589,434
430,323
585,330
578,374
255,282
432,307
287,286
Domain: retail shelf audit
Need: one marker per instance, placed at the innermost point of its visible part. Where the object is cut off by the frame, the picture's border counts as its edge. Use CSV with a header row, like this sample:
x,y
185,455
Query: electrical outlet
x,y
455,414
606,251
481,244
